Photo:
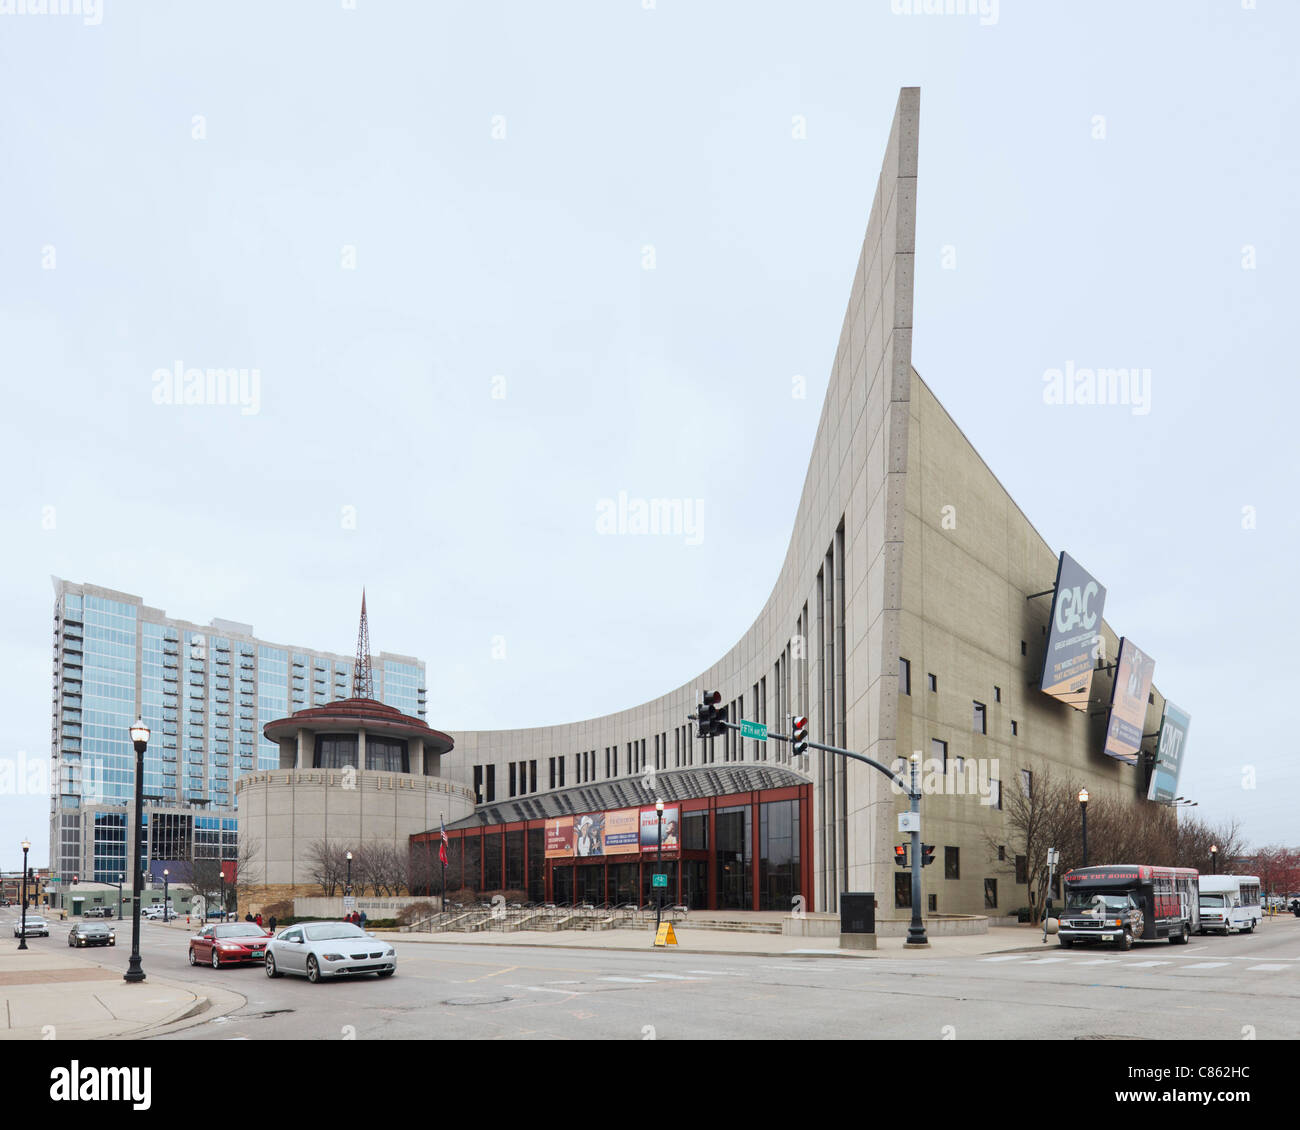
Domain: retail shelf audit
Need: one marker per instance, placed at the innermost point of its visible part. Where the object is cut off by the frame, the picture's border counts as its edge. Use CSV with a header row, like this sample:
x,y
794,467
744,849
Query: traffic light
x,y
799,738
900,854
711,716
927,854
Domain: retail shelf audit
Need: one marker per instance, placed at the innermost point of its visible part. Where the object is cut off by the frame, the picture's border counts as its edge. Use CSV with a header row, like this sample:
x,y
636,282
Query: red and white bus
x,y
1123,903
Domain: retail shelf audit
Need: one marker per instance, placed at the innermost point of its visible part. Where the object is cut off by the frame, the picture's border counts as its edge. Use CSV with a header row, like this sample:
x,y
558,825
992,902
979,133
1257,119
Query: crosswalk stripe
x,y
629,980
1045,960
1099,961
1269,968
1206,965
1004,957
1144,964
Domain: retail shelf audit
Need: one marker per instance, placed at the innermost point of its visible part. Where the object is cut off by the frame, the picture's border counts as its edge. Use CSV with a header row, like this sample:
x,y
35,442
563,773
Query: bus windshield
x,y
1212,900
1085,900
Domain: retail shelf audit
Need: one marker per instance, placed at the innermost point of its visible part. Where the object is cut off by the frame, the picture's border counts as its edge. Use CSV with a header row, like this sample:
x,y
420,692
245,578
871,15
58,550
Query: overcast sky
x,y
496,262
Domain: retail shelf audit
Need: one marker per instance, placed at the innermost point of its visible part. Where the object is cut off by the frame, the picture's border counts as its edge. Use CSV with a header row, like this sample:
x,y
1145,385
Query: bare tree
x,y
250,873
203,877
327,865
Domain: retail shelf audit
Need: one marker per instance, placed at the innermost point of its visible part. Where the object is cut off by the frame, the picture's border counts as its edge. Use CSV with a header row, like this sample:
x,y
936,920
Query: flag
x,y
442,847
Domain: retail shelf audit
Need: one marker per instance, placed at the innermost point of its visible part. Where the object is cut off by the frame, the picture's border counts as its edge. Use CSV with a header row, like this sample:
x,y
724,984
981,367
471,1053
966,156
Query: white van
x,y
1230,902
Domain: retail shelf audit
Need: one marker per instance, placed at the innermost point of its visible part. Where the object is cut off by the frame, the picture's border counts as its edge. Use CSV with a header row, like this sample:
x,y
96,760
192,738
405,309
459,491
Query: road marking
x,y
1266,968
672,977
1045,960
543,989
629,980
495,973
1144,964
1100,961
564,982
719,972
1206,965
1004,957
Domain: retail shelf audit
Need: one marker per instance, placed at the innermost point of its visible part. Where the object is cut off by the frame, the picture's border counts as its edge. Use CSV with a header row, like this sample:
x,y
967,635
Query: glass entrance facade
x,y
744,851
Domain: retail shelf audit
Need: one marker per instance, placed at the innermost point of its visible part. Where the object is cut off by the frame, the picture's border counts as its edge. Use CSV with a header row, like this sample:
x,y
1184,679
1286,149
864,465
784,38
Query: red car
x,y
234,943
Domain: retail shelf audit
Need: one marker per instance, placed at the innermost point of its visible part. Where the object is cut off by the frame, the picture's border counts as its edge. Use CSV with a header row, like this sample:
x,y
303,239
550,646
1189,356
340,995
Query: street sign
x,y
755,730
659,879
349,904
666,936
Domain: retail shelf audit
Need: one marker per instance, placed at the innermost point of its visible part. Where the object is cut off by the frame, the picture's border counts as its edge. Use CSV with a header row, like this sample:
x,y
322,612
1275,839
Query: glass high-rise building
x,y
205,692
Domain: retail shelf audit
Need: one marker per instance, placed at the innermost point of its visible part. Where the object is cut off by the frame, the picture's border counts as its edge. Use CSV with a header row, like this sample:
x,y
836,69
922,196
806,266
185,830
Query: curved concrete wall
x,y
285,811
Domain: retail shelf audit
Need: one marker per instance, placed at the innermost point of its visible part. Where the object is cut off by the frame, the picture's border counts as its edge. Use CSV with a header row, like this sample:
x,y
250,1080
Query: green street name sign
x,y
659,880
755,730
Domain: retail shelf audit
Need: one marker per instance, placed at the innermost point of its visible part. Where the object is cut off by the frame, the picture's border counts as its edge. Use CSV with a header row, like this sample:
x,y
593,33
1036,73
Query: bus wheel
x,y
1126,942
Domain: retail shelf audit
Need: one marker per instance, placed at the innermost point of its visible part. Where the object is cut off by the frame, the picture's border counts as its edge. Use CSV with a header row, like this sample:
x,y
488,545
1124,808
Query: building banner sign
x,y
621,832
1072,640
559,838
1128,703
1169,754
650,828
589,832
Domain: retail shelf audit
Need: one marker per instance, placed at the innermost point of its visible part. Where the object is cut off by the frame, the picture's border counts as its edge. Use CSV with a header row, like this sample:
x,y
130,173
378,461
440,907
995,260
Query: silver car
x,y
328,949
37,927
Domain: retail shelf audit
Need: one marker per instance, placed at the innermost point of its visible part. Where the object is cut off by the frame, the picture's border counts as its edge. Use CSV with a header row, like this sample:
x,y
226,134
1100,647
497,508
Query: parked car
x,y
236,943
92,934
37,927
316,950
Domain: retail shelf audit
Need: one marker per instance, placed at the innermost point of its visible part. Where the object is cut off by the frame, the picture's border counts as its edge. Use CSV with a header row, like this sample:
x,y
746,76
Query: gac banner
x,y
650,828
1169,754
1128,703
1072,640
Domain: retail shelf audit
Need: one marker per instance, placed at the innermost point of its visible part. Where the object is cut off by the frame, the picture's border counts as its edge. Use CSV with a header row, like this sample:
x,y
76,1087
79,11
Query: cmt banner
x,y
1072,641
1169,754
650,828
1128,703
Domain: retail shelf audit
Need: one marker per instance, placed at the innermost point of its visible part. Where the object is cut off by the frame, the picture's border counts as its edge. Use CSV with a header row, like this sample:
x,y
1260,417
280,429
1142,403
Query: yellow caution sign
x,y
665,937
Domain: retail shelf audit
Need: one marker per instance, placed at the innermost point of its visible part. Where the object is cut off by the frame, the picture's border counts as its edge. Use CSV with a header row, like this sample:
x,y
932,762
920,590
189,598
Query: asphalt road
x,y
1241,987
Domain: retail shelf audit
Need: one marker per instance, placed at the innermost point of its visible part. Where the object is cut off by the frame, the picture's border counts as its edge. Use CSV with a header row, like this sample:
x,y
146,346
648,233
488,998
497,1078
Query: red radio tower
x,y
363,682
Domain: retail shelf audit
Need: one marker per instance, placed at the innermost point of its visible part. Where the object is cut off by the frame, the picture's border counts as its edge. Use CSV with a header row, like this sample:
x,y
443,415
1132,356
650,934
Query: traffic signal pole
x,y
916,935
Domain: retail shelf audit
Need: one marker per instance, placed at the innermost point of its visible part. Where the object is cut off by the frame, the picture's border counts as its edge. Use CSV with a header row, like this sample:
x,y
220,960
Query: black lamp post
x,y
22,939
1214,857
659,855
166,900
223,893
1083,814
120,880
347,887
140,739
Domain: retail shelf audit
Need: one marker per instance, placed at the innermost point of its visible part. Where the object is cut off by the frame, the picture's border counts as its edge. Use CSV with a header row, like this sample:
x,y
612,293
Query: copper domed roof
x,y
359,714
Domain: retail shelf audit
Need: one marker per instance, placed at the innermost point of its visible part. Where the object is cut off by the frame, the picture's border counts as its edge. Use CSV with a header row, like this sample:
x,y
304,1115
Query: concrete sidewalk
x,y
49,991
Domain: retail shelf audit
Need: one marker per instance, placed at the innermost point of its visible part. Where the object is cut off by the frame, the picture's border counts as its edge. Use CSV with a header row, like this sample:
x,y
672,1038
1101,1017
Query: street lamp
x,y
1214,857
1083,814
347,887
140,739
166,903
120,880
223,891
22,940
659,855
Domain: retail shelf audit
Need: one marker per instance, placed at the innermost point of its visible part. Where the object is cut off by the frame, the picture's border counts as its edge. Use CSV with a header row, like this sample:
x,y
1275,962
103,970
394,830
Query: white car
x,y
37,927
316,950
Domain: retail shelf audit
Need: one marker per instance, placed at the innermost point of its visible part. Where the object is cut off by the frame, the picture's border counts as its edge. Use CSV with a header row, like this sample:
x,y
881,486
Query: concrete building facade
x,y
901,620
